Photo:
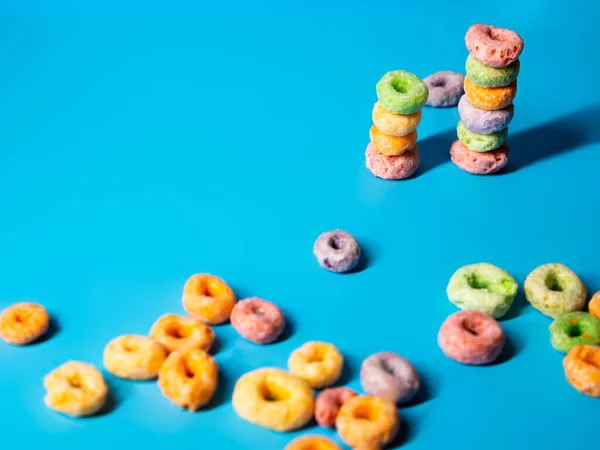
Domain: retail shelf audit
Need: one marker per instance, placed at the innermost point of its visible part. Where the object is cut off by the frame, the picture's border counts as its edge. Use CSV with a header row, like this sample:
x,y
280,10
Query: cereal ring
x,y
482,287
582,369
208,298
312,443
389,376
479,163
337,251
23,323
554,289
134,357
189,378
480,142
76,389
392,167
257,320
594,305
402,92
395,124
490,99
471,337
318,363
574,328
486,76
367,421
481,121
392,145
328,404
178,333
493,46
445,88
273,399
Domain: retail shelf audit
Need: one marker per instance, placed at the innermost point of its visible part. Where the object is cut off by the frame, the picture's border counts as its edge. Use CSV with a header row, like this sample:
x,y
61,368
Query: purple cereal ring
x,y
328,404
389,376
337,251
257,320
479,163
445,88
493,46
392,167
482,121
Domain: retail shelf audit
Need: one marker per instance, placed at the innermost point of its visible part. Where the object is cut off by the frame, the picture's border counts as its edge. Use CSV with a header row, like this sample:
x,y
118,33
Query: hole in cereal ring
x,y
439,83
365,412
574,329
316,356
188,370
554,283
129,346
337,242
74,381
476,282
399,85
472,326
178,331
273,393
387,368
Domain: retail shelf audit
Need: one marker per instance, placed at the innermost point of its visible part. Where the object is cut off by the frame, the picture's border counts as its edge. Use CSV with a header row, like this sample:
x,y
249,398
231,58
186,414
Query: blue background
x,y
142,142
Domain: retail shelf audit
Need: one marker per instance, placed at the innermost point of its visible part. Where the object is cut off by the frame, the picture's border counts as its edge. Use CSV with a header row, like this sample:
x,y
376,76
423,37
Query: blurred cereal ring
x,y
395,124
208,298
582,369
23,323
389,376
320,364
134,357
178,333
594,305
445,88
312,443
328,404
401,92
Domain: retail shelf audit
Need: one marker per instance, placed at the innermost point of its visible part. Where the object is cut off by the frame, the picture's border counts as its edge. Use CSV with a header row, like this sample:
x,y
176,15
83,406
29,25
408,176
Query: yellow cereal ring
x,y
179,333
189,378
134,357
318,363
312,443
23,323
274,399
366,421
76,389
208,298
594,305
392,145
395,124
492,98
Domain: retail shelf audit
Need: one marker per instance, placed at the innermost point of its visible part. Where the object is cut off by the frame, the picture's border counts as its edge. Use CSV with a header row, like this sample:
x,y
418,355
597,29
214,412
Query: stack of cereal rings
x,y
393,153
486,109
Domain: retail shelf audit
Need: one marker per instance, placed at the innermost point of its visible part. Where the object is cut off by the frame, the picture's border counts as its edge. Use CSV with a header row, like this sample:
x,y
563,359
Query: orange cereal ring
x,y
208,298
492,98
23,323
189,378
178,333
392,145
582,369
594,305
312,443
395,124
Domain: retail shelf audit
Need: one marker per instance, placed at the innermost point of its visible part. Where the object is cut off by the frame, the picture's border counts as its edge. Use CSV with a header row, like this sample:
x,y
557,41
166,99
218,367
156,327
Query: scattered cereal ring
x,y
445,88
208,298
395,124
318,363
367,421
328,404
490,99
479,163
481,121
582,369
273,399
402,92
392,167
554,289
23,323
312,443
574,328
337,251
189,378
134,357
389,376
471,337
76,389
480,142
257,320
487,76
482,287
594,305
391,145
493,46
178,333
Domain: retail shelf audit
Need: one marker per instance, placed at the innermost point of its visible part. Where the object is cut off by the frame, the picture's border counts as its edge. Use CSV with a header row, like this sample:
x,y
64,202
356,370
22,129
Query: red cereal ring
x,y
257,320
493,46
471,337
328,404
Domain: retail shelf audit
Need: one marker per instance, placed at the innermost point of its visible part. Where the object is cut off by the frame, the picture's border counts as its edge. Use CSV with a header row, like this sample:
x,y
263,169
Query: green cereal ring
x,y
482,287
574,328
480,142
486,76
554,289
402,92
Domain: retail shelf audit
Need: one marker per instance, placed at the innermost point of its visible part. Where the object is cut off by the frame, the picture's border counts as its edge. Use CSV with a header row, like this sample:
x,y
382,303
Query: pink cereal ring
x,y
479,163
471,337
328,404
493,46
392,167
257,320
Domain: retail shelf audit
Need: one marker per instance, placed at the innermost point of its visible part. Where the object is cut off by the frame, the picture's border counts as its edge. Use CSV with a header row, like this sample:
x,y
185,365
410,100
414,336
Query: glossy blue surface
x,y
142,142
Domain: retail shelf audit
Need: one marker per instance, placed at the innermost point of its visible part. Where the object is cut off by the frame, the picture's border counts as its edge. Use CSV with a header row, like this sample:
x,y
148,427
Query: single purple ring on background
x,y
337,251
445,88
